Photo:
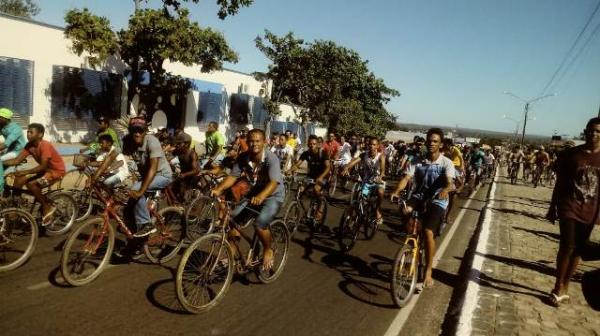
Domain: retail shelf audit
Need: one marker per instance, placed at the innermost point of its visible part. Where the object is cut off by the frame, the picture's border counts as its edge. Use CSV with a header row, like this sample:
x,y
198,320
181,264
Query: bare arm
x,y
105,164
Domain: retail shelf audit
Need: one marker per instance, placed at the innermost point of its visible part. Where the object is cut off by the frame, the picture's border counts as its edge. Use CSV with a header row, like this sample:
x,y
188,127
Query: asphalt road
x,y
321,292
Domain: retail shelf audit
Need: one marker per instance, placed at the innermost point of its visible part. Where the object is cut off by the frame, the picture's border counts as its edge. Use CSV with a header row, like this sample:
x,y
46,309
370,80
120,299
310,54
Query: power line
x,y
568,54
583,48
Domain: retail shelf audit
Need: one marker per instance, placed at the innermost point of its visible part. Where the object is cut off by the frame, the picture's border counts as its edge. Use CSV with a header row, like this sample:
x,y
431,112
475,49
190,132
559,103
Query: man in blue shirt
x,y
433,177
14,141
476,162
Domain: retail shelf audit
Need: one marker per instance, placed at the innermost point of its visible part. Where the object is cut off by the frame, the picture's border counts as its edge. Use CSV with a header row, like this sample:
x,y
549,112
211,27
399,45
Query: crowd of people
x,y
431,171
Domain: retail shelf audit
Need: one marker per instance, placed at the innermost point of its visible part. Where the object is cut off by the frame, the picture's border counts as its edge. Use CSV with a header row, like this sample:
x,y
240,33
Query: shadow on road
x,y
519,213
162,295
56,279
543,234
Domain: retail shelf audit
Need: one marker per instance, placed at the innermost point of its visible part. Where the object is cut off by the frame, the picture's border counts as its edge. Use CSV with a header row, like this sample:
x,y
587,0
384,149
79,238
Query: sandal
x,y
556,300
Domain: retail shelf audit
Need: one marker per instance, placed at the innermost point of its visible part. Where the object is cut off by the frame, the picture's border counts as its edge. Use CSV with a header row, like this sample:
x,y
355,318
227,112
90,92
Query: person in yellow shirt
x,y
291,141
453,153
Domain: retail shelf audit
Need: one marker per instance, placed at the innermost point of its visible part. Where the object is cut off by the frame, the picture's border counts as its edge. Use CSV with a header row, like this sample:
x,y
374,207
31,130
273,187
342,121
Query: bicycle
x,y
409,263
18,237
91,245
362,212
206,268
201,213
63,217
296,213
537,175
513,171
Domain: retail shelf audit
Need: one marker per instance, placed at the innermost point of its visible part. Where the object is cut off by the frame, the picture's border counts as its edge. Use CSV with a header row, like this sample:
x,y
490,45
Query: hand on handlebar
x,y
394,195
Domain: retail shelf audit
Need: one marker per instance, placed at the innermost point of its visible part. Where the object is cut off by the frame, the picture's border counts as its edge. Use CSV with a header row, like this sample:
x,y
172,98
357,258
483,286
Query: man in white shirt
x,y
119,168
284,152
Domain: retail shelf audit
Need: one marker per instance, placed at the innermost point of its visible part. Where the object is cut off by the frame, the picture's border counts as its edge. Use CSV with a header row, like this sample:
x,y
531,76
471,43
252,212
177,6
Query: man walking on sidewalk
x,y
575,203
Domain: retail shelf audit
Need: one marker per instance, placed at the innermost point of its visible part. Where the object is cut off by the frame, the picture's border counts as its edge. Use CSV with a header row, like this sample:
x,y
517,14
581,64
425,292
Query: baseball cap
x,y
183,138
6,113
137,123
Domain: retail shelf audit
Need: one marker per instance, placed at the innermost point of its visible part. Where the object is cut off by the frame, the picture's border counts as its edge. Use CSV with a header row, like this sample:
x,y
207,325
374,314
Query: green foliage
x,y
227,7
90,34
22,8
327,83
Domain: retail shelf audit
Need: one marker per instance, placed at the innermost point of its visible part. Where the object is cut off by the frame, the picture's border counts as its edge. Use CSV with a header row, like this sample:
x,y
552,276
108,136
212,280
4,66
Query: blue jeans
x,y
266,212
140,211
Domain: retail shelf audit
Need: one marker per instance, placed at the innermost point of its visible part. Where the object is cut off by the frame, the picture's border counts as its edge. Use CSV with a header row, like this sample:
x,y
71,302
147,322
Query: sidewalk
x,y
518,271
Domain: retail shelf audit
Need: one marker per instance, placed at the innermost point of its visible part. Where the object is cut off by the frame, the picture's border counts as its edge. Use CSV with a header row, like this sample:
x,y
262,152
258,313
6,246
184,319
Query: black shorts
x,y
575,235
431,217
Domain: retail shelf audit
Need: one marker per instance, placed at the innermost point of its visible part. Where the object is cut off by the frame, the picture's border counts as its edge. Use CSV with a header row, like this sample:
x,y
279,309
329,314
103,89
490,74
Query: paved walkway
x,y
518,272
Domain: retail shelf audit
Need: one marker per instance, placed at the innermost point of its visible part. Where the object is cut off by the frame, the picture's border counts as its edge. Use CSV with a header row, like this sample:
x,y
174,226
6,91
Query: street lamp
x,y
526,108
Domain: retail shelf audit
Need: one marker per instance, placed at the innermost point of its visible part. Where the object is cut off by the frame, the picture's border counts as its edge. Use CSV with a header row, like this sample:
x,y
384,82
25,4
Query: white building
x,y
43,81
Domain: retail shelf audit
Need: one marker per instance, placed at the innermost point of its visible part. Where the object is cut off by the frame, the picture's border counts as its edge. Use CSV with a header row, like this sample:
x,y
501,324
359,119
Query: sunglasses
x,y
136,129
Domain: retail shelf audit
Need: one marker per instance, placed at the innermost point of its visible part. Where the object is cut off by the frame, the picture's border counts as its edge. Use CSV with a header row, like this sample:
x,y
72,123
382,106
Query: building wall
x,y
47,47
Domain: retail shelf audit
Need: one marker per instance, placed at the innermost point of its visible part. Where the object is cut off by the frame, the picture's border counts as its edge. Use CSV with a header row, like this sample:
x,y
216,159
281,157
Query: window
x,y
16,88
79,96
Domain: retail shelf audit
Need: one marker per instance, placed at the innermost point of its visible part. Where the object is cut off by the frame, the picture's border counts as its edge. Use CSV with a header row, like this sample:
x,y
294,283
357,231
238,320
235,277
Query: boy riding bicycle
x,y
433,181
14,141
50,169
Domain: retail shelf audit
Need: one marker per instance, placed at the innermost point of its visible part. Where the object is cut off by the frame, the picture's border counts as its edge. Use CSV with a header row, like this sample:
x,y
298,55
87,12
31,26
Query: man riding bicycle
x,y
433,177
188,165
260,168
476,161
154,170
214,144
489,162
50,169
14,141
318,170
372,173
103,128
284,152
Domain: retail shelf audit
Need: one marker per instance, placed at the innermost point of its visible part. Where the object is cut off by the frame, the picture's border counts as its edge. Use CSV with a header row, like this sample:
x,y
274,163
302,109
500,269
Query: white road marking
x,y
464,327
400,319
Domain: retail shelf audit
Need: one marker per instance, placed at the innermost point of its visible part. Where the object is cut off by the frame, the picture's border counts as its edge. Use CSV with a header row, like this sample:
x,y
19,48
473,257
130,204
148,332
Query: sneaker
x,y
147,230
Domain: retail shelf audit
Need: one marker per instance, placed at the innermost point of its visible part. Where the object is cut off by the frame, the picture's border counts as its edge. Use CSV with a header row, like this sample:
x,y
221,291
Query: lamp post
x,y
527,102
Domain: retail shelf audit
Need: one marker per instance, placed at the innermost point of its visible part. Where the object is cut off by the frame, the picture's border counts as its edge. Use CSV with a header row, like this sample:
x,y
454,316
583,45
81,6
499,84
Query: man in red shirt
x,y
331,146
576,204
50,169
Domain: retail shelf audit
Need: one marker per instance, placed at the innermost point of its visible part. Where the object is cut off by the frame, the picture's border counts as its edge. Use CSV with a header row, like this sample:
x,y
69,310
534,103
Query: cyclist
x,y
331,146
372,173
108,154
188,165
318,170
284,153
260,168
515,158
528,160
476,160
215,143
14,141
433,177
103,128
155,172
489,161
542,161
50,169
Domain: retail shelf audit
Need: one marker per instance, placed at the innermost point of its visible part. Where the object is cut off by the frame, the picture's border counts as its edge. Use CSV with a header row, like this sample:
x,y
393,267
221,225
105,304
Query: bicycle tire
x,y
314,224
370,221
83,201
280,245
348,231
65,214
11,219
200,216
292,217
404,281
80,256
196,269
163,245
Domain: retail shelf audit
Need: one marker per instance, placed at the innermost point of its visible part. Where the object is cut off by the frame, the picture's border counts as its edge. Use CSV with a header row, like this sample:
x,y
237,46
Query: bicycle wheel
x,y
348,230
280,246
370,220
204,273
87,251
165,243
18,236
201,217
333,184
404,276
292,217
83,202
312,209
66,212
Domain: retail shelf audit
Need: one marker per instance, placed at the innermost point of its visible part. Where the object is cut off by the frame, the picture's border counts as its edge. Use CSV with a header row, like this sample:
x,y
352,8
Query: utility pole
x,y
526,108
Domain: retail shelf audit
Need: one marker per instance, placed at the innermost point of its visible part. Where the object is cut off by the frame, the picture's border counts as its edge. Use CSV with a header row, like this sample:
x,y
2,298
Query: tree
x,y
23,8
326,83
152,37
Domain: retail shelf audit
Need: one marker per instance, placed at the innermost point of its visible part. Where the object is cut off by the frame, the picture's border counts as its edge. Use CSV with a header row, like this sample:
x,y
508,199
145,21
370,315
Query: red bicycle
x,y
88,249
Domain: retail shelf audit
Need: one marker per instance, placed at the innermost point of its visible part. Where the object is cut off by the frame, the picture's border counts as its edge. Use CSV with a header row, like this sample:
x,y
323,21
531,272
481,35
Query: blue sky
x,y
451,60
